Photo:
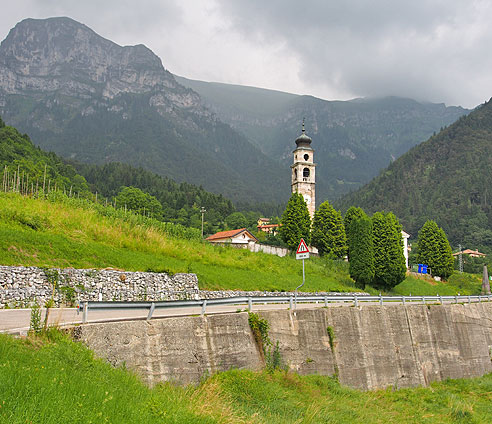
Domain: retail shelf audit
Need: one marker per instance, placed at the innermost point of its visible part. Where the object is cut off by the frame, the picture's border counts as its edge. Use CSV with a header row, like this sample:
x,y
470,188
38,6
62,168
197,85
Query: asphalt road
x,y
17,320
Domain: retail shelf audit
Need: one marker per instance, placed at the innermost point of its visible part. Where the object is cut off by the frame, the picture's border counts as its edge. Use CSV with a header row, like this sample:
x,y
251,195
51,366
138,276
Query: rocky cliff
x,y
89,99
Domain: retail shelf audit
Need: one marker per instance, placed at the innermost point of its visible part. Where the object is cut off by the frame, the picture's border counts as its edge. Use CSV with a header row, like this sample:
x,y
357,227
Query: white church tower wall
x,y
303,179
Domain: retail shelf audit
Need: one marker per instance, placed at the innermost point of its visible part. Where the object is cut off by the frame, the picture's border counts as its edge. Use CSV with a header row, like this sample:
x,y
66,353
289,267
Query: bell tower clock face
x,y
307,199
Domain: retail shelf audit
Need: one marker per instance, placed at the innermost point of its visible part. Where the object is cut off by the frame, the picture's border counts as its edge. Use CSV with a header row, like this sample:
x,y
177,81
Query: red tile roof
x,y
269,226
228,234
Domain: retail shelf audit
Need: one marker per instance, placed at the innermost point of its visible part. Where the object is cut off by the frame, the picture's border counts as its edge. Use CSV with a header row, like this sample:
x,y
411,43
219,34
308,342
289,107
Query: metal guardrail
x,y
290,300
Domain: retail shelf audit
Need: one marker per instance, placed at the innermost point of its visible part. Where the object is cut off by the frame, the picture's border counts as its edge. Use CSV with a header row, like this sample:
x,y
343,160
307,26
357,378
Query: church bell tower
x,y
303,175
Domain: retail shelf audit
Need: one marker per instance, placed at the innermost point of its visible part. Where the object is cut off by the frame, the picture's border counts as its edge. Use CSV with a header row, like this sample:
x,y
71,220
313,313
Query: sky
x,y
429,50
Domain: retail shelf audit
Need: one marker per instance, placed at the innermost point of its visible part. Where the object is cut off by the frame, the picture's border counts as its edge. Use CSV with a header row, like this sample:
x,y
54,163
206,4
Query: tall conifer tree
x,y
296,222
434,250
389,261
328,233
361,263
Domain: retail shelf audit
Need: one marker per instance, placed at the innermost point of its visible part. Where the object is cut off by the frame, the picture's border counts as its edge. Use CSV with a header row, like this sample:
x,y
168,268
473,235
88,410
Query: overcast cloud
x,y
435,50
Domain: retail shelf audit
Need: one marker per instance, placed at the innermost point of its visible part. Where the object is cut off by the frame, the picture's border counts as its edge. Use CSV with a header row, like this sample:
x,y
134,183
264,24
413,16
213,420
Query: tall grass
x,y
54,380
67,232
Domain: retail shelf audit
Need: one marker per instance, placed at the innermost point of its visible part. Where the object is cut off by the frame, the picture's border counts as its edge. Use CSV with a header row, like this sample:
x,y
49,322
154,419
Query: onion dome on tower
x,y
304,140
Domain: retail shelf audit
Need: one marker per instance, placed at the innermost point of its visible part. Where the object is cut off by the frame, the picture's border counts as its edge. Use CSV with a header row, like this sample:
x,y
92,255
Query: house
x,y
263,221
471,253
239,238
405,236
269,228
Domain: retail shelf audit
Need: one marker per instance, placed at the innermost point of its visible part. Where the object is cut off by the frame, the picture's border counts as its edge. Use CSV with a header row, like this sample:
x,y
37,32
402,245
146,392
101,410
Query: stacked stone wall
x,y
21,286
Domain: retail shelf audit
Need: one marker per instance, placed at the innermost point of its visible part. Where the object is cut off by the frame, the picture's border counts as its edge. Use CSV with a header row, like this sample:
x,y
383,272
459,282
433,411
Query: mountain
x,y
448,179
89,99
353,140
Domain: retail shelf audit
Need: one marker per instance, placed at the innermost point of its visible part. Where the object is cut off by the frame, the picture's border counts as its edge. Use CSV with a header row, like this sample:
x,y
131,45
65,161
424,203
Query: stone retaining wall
x,y
20,286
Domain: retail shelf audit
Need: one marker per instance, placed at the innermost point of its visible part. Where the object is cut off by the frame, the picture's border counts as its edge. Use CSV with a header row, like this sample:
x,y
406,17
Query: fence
x,y
290,300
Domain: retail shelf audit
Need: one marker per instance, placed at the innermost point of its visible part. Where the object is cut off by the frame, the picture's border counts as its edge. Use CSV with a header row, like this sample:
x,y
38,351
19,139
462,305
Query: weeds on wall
x,y
270,353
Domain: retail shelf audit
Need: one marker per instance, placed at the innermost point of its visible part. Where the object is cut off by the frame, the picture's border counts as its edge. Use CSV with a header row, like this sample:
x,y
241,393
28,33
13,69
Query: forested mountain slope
x,y
353,140
448,179
91,100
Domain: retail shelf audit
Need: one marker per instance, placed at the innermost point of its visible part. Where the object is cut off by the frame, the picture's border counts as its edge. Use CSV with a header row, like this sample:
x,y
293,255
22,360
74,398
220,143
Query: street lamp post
x,y
202,210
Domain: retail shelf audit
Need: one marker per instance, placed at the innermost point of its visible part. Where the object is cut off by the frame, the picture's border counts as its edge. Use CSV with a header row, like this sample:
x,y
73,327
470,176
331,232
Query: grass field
x,y
65,233
54,380
74,233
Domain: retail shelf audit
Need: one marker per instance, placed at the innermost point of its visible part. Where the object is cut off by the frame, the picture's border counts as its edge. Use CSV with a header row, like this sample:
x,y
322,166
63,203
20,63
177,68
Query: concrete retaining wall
x,y
374,346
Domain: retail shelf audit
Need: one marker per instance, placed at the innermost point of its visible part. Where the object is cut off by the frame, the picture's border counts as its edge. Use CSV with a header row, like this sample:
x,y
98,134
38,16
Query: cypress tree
x,y
434,250
352,214
328,233
296,222
361,264
389,261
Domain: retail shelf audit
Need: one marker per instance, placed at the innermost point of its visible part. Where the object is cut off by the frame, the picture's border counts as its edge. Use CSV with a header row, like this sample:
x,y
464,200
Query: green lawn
x,y
54,380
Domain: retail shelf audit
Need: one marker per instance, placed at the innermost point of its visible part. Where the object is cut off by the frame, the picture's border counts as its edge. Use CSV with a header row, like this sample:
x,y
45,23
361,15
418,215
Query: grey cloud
x,y
418,49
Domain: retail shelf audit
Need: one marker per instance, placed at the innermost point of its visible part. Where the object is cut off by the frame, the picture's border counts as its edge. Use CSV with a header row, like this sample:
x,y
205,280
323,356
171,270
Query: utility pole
x,y
202,210
461,258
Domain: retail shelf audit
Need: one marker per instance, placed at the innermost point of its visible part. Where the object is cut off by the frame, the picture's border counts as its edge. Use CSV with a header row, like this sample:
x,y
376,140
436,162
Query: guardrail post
x,y
488,297
326,301
151,311
291,303
85,312
380,299
403,300
440,300
204,306
356,301
469,299
480,298
250,304
423,300
455,299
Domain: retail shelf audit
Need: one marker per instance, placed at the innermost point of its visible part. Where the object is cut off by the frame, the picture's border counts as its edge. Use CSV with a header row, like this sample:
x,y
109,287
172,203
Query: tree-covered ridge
x,y
447,179
181,202
25,168
23,163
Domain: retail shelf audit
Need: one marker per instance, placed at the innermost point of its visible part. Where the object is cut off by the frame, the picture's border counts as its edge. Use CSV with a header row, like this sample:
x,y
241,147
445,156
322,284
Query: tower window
x,y
305,173
295,173
306,157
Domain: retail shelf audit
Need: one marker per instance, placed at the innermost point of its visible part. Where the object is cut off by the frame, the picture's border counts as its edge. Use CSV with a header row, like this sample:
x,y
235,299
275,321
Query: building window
x,y
295,173
306,157
305,172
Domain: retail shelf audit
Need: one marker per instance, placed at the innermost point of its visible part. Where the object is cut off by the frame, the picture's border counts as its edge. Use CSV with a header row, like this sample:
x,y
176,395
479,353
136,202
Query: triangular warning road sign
x,y
302,247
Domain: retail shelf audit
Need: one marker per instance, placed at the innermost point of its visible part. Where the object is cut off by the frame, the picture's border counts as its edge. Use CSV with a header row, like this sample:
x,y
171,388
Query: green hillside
x,y
35,166
70,232
447,179
54,380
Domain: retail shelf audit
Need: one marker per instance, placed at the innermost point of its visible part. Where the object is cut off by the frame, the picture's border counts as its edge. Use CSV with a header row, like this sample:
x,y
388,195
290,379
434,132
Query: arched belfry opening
x,y
303,170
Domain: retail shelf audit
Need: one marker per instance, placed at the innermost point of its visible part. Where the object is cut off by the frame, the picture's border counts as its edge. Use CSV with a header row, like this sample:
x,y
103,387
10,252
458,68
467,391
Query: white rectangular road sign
x,y
302,255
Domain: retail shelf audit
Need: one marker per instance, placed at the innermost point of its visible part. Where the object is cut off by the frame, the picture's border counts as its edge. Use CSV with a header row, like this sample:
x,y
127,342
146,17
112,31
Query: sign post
x,y
301,253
